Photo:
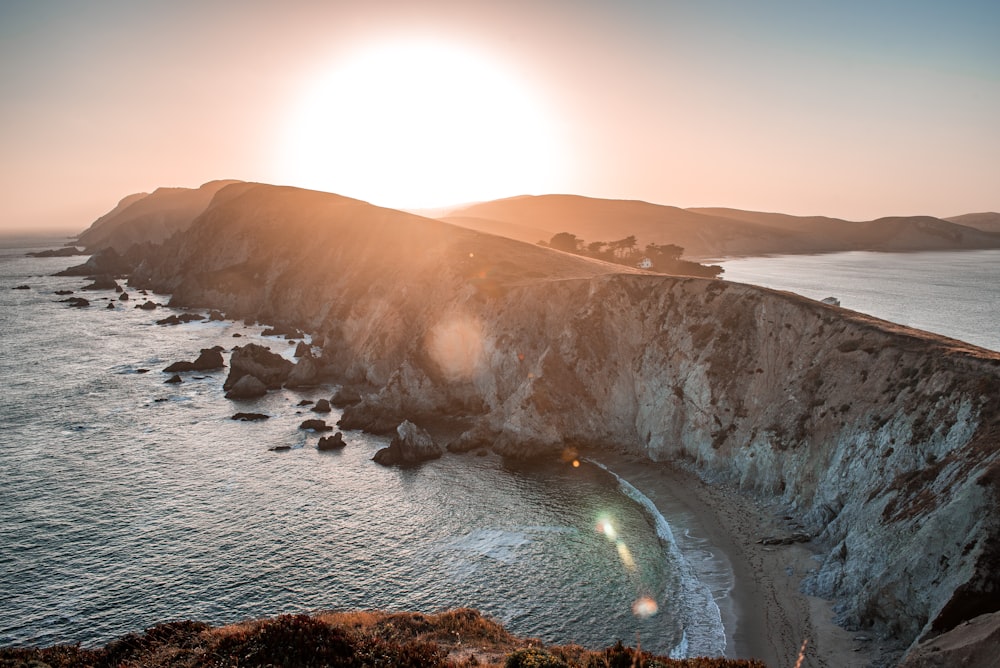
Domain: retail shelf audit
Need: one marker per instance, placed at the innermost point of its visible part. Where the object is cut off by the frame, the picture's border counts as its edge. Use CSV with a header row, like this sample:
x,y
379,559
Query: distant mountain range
x,y
720,232
702,232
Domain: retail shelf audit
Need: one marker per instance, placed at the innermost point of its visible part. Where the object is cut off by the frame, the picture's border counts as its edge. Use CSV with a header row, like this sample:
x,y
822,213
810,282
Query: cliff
x,y
880,440
149,217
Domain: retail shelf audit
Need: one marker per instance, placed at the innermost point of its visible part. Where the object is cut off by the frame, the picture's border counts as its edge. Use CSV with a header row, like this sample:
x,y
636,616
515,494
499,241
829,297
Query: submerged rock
x,y
21,287
76,302
411,445
179,319
173,380
250,417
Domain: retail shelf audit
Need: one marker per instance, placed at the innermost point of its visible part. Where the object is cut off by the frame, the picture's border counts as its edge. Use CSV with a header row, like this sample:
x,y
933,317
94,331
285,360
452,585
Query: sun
x,y
413,124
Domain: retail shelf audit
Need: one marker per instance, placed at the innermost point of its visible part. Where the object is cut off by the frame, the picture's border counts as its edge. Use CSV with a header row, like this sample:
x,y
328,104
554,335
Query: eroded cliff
x,y
881,440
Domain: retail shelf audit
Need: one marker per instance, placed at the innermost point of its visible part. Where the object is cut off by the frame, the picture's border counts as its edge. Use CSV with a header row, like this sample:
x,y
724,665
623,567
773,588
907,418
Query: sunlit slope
x,y
376,278
595,219
149,217
716,232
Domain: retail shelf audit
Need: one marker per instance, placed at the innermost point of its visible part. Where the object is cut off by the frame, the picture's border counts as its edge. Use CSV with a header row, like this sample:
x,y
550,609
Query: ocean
x,y
954,293
127,502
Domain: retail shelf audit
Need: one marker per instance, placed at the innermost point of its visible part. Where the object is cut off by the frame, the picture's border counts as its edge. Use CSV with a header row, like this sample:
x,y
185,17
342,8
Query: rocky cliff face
x,y
881,440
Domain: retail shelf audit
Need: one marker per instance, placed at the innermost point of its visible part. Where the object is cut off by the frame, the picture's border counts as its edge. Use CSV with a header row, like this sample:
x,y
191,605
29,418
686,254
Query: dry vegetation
x,y
460,637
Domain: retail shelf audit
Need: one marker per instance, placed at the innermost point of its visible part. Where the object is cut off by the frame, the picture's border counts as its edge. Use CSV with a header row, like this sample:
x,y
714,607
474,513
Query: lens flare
x,y
605,527
625,555
644,607
456,345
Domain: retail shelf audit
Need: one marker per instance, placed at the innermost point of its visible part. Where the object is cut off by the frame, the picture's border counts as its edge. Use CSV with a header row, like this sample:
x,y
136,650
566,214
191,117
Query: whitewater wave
x,y
703,631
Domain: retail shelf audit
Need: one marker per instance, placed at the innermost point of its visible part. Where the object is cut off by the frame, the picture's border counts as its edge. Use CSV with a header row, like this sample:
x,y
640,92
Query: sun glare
x,y
421,124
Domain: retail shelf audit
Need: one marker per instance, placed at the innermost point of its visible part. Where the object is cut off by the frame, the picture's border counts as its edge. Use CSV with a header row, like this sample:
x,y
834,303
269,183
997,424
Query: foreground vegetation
x,y
460,637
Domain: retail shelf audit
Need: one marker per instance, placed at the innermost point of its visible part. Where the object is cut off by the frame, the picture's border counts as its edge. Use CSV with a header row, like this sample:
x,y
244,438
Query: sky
x,y
855,109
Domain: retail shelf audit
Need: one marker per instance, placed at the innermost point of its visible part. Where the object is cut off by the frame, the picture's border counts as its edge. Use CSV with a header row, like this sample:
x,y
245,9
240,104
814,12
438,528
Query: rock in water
x,y
345,396
247,387
22,287
173,380
103,282
305,373
76,301
215,316
209,359
410,445
302,349
335,442
322,406
250,417
258,361
316,425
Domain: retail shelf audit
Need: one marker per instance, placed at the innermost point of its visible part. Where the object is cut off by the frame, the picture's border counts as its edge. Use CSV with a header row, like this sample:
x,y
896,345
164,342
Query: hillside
x,y
345,640
987,221
148,217
718,232
880,441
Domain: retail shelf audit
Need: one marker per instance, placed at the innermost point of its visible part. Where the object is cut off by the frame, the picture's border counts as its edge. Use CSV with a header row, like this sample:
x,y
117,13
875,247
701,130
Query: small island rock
x,y
247,387
322,406
316,425
258,361
335,442
410,445
250,417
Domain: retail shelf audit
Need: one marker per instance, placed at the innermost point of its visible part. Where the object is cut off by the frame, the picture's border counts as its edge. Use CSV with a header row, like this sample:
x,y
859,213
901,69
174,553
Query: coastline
x,y
764,615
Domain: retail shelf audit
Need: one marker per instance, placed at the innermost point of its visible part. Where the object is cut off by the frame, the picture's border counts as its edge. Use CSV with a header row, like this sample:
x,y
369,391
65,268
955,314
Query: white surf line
x,y
703,631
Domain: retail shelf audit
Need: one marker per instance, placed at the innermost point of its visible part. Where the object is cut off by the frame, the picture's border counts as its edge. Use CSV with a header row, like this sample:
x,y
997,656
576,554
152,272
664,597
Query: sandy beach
x,y
764,614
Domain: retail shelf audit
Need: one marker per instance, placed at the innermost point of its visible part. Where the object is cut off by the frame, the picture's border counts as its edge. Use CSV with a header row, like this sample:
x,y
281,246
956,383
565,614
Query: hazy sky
x,y
849,108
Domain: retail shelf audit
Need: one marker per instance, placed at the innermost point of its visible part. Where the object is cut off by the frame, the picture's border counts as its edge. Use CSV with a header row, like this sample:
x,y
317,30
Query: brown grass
x,y
461,637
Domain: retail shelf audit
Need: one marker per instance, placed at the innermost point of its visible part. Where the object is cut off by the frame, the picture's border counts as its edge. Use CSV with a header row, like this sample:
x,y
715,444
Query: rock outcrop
x,y
315,425
247,387
258,361
334,442
106,261
883,442
209,360
410,445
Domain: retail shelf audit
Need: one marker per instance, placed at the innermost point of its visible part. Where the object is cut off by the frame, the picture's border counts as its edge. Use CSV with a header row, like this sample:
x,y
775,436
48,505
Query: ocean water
x,y
126,502
954,293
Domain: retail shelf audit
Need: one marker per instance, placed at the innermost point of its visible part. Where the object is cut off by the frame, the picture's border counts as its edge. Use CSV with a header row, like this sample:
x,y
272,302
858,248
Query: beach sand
x,y
764,614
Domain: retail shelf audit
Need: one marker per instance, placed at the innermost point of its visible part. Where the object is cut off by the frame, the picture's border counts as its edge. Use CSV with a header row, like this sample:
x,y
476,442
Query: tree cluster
x,y
664,258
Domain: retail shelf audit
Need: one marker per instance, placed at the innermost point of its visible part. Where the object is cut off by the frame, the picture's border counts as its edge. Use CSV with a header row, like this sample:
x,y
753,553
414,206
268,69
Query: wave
x,y
703,633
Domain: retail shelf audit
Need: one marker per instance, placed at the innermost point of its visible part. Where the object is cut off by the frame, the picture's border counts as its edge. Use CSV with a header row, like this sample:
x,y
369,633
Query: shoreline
x,y
763,613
